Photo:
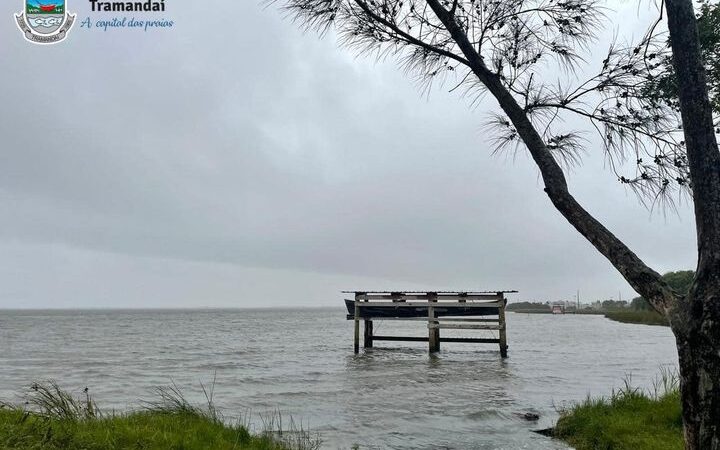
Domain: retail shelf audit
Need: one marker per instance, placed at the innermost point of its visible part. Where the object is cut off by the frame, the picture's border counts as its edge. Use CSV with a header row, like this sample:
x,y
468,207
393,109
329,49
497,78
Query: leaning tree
x,y
502,47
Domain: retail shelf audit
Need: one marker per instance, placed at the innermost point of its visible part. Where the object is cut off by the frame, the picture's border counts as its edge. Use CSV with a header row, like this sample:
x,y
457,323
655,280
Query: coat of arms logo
x,y
45,21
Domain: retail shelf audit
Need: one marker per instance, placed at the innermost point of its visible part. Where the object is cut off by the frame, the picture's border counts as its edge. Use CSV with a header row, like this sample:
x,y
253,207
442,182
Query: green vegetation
x,y
643,317
665,87
640,310
680,281
53,419
629,420
613,305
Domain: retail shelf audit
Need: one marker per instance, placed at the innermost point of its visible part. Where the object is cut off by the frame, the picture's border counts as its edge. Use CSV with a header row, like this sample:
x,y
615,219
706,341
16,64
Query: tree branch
x,y
644,280
407,37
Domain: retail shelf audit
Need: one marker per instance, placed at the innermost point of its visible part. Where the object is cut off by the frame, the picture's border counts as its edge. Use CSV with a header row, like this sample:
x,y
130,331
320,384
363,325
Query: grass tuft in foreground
x,y
630,419
53,419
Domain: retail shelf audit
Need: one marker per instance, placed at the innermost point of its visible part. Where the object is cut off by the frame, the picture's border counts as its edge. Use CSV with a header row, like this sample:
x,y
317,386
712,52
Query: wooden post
x,y
501,320
368,337
357,322
433,331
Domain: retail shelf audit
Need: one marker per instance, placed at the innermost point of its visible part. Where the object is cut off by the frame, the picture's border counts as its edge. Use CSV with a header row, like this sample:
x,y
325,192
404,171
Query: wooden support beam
x,y
402,338
421,304
433,332
473,340
464,326
357,324
368,336
503,335
424,319
425,297
426,339
458,319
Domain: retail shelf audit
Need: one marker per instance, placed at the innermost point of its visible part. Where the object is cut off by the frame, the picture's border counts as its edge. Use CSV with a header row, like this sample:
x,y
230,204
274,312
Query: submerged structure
x,y
457,310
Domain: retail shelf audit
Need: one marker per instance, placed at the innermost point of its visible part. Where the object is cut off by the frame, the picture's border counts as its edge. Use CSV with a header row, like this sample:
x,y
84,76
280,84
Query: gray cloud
x,y
210,165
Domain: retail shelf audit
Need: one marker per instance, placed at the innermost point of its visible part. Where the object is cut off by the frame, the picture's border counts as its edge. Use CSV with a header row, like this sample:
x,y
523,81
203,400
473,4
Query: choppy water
x,y
301,363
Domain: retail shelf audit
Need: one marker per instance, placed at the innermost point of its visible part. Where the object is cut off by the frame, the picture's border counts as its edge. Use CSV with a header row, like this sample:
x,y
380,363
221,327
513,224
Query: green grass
x,y
629,420
52,419
644,317
141,430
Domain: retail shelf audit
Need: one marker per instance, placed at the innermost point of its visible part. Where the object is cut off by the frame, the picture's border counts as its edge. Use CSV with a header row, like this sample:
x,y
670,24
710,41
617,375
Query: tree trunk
x,y
697,330
696,319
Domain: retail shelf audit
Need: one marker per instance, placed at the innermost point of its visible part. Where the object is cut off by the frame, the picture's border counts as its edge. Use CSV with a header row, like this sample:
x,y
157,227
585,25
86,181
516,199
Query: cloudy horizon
x,y
256,165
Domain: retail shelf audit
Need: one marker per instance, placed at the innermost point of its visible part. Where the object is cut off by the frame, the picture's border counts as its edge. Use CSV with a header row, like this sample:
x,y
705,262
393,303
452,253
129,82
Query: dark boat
x,y
420,311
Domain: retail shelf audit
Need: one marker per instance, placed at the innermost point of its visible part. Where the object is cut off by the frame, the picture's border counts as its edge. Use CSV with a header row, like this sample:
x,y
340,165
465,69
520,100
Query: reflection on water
x,y
301,362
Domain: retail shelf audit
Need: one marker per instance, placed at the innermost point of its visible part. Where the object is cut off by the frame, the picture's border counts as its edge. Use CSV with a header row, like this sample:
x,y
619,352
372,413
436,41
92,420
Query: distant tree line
x,y
680,281
529,306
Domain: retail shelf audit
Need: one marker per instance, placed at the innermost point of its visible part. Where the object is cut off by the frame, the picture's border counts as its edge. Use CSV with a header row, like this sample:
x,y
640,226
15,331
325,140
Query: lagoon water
x,y
300,362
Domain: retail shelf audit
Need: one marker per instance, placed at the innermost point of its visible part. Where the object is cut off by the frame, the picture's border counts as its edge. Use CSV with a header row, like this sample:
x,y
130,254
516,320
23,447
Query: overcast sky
x,y
235,161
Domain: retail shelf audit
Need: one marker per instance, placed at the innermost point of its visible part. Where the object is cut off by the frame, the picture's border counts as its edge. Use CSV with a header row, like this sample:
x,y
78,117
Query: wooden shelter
x,y
457,310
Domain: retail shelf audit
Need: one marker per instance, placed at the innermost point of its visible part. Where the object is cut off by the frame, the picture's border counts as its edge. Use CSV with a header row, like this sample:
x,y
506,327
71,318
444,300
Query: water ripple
x,y
393,396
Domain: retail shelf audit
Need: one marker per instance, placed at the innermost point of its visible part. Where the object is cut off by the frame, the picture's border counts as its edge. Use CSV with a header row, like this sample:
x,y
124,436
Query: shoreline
x,y
629,419
638,317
